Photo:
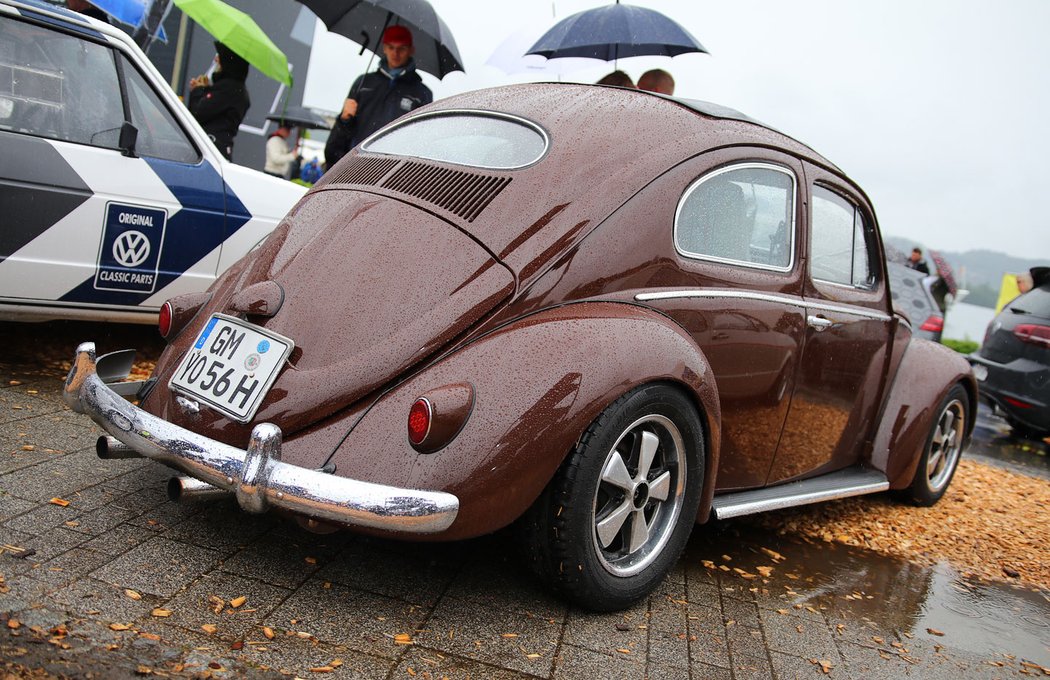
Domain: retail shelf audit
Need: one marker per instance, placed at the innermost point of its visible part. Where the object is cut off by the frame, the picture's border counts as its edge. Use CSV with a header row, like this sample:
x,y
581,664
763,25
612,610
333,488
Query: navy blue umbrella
x,y
615,32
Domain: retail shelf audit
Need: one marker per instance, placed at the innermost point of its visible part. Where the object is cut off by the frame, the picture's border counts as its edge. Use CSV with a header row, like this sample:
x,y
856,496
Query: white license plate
x,y
231,366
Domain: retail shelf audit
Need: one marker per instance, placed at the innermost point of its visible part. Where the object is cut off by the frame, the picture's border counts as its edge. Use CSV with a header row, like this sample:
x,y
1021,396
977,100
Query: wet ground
x,y
123,583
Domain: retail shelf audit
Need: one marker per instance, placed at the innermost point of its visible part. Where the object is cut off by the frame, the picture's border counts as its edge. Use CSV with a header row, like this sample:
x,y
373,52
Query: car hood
x,y
371,286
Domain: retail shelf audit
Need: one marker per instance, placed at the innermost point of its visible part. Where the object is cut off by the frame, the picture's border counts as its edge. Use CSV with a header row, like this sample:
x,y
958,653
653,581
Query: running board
x,y
853,481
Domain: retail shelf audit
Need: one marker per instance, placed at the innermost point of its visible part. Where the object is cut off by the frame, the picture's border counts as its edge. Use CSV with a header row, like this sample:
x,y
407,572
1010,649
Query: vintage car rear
x,y
495,310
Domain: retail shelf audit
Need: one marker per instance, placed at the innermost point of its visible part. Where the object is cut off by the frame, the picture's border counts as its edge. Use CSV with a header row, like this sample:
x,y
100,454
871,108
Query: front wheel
x,y
615,518
940,457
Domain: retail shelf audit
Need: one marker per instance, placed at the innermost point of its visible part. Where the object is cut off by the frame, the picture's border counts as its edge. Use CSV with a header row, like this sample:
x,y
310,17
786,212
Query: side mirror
x,y
129,134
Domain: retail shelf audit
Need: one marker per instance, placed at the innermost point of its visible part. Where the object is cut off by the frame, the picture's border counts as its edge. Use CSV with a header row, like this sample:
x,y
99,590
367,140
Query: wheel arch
x,y
926,374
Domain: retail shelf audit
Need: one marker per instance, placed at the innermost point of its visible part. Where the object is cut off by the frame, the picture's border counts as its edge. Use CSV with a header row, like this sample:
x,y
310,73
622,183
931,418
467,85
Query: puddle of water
x,y
994,443
980,619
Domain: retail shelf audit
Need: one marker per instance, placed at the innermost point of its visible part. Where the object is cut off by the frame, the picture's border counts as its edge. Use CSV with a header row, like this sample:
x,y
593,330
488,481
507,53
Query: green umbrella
x,y
240,33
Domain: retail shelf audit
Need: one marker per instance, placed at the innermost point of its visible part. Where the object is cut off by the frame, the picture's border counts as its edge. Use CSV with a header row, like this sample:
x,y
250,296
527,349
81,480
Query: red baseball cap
x,y
397,35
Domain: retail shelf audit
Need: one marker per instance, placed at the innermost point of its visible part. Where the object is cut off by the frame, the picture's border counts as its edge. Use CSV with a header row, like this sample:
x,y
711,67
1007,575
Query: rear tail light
x,y
1033,334
164,322
1017,403
933,324
419,418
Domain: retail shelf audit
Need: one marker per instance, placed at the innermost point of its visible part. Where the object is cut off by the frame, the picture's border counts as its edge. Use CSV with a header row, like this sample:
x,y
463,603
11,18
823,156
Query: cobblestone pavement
x,y
103,576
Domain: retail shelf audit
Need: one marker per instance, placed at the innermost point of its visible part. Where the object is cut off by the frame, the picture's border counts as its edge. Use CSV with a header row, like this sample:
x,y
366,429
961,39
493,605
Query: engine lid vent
x,y
465,194
361,170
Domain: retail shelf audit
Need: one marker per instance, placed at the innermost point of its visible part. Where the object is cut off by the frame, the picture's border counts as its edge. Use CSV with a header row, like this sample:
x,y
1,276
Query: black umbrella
x,y
615,32
300,116
363,21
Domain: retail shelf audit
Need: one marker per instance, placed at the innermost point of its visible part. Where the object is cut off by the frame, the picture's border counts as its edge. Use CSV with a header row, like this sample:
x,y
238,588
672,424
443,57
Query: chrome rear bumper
x,y
257,476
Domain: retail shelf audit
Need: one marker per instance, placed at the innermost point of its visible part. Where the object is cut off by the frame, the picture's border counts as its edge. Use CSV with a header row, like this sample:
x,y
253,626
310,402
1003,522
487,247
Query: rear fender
x,y
538,384
926,373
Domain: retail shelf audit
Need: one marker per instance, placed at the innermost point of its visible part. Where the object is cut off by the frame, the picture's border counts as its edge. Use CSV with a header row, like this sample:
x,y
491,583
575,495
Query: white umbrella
x,y
510,56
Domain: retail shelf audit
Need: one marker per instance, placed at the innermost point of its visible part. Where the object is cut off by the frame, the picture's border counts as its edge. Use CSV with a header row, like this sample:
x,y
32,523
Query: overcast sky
x,y
939,109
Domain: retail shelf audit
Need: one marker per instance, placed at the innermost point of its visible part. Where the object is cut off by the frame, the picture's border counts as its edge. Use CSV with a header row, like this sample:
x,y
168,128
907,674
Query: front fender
x,y
538,383
926,373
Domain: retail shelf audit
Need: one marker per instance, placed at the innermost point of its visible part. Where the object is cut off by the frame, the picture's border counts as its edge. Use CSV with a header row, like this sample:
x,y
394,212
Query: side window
x,y
58,86
742,214
839,243
159,134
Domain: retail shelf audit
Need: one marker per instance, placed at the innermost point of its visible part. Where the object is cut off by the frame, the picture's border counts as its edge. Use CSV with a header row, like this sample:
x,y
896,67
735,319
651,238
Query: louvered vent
x,y
362,170
464,193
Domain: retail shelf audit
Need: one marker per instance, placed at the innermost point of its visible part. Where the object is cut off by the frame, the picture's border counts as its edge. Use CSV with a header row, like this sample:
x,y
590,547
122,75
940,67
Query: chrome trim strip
x,y
796,493
764,297
474,112
257,476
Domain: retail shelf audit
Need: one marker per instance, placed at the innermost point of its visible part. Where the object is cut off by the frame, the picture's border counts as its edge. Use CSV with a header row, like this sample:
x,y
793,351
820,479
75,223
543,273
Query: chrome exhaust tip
x,y
182,489
111,448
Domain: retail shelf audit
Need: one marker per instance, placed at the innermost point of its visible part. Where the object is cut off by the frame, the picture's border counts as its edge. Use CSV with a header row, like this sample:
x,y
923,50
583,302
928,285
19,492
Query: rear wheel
x,y
940,457
616,516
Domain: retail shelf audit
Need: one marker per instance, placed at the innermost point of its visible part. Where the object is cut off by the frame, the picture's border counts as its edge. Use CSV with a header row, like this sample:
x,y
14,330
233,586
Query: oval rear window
x,y
481,140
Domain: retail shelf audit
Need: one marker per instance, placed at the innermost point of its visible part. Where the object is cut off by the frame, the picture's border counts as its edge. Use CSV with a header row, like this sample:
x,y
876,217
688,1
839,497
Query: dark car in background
x,y
1013,363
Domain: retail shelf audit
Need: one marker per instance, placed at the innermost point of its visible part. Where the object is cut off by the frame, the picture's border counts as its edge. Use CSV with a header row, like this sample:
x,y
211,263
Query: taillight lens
x,y
933,323
164,323
1033,334
419,418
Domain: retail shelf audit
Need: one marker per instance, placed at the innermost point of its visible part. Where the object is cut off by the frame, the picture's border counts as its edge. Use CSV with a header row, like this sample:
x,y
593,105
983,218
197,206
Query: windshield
x,y
481,140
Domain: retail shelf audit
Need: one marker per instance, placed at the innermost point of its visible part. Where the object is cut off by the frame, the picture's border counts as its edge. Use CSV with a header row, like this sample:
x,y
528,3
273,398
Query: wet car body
x,y
1013,362
607,336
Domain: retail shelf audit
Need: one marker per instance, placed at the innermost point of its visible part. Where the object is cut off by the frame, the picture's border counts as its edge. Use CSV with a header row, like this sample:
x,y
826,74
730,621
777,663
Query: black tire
x,y
605,532
1025,432
940,455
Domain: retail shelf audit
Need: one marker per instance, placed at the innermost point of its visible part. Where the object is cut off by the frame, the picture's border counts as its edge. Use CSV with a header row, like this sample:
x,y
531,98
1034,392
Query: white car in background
x,y
112,197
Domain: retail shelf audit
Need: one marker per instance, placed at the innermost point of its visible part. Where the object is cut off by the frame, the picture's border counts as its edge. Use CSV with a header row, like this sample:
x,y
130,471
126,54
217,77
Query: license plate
x,y
980,372
231,366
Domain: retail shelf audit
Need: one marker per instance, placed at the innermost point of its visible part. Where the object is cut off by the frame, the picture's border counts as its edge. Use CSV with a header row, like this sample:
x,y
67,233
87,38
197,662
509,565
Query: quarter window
x,y
839,250
742,214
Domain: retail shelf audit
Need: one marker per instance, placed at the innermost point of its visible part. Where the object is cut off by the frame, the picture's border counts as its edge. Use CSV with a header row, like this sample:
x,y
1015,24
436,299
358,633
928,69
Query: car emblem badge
x,y
131,248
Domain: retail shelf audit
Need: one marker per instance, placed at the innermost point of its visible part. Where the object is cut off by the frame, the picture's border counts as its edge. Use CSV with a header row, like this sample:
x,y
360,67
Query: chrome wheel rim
x,y
945,445
639,495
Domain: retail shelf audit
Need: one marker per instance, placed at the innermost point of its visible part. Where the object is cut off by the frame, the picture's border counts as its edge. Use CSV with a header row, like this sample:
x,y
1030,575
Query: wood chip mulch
x,y
992,523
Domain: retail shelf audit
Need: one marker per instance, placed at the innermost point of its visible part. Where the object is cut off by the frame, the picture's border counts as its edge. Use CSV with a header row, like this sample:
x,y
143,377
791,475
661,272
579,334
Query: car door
x,y
88,224
848,328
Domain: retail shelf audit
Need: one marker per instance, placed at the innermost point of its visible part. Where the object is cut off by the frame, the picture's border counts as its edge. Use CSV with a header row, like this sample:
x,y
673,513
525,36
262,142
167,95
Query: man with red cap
x,y
379,97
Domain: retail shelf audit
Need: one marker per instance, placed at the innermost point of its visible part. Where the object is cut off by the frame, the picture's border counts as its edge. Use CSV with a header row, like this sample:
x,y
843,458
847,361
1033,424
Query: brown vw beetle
x,y
600,314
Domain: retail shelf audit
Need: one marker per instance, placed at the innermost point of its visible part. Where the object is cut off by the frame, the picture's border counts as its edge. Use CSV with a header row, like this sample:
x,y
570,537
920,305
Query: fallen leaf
x,y
825,666
237,646
335,663
14,624
61,502
132,594
403,639
773,554
533,655
765,571
238,601
322,669
509,635
622,650
267,633
143,670
119,626
161,613
210,628
310,560
28,447
934,631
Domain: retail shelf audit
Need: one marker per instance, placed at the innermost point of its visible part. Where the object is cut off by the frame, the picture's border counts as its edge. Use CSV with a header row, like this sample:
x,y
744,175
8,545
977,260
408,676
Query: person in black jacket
x,y
379,97
219,103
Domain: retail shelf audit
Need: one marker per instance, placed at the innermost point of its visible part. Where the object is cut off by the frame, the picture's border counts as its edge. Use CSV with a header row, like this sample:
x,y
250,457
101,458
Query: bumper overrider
x,y
257,476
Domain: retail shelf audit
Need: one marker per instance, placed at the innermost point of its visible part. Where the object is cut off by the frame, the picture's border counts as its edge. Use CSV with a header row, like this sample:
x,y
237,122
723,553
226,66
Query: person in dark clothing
x,y
379,97
916,262
220,102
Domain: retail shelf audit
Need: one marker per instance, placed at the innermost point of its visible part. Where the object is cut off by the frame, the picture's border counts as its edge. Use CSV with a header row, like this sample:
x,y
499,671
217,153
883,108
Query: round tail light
x,y
164,323
419,418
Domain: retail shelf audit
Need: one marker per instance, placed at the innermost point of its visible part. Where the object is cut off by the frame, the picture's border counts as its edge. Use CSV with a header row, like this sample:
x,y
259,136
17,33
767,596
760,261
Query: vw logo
x,y
131,248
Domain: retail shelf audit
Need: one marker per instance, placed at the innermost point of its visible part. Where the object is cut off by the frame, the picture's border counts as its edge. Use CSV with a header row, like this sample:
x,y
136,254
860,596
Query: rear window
x,y
1035,301
481,140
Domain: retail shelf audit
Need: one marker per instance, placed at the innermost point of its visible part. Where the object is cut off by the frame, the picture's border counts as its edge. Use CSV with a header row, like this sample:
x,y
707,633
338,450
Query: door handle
x,y
818,323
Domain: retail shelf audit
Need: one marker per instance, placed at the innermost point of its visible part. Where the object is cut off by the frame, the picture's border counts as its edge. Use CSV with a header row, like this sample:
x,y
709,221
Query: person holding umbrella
x,y
219,102
379,97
